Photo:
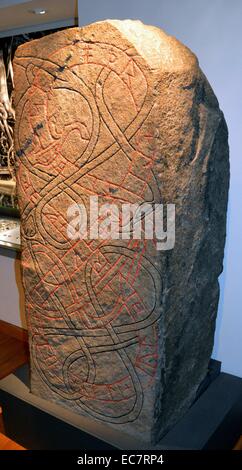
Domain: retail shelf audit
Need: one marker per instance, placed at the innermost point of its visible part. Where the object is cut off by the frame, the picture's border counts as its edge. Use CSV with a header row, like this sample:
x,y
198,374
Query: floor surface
x,y
13,354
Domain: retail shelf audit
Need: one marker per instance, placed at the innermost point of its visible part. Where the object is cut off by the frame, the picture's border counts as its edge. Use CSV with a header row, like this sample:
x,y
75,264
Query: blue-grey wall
x,y
212,29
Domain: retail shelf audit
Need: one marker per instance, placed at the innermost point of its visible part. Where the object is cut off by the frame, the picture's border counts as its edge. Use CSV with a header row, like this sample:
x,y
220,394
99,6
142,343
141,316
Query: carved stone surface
x,y
119,331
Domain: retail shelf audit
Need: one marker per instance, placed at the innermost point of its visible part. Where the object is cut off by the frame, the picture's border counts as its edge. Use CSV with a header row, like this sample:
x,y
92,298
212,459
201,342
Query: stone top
x,y
158,49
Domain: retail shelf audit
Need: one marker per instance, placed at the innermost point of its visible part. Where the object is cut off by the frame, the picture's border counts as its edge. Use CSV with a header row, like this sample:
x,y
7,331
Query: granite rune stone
x,y
119,331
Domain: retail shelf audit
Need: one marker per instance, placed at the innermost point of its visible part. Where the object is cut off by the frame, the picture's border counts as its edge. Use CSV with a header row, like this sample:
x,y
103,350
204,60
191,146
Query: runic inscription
x,y
95,117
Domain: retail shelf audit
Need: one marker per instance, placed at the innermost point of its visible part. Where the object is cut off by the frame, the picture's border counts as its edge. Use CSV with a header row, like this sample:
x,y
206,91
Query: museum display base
x,y
213,422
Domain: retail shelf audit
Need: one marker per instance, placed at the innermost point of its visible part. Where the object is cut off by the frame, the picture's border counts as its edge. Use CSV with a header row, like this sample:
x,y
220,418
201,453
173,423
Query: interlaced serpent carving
x,y
92,305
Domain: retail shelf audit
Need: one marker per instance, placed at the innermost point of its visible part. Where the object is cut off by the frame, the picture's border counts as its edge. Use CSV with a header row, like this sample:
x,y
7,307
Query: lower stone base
x,y
213,422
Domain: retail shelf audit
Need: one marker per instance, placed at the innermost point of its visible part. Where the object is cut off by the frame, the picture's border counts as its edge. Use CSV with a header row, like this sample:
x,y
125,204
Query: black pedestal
x,y
213,422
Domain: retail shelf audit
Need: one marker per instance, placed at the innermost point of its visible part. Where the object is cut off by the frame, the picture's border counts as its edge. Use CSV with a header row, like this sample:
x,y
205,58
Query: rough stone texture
x,y
119,331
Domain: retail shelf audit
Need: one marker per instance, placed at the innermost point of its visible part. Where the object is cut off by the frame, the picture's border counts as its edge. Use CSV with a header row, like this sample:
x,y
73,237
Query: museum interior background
x,y
212,30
